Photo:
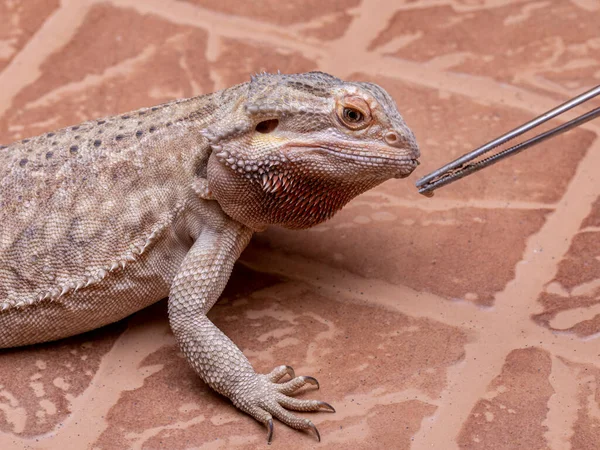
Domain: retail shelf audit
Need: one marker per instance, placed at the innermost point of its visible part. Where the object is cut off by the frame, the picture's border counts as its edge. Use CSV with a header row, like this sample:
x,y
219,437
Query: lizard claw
x,y
326,407
279,372
270,432
290,371
314,428
312,380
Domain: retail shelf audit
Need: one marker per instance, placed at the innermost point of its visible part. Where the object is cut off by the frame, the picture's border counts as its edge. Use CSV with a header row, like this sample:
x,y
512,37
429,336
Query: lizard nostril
x,y
392,138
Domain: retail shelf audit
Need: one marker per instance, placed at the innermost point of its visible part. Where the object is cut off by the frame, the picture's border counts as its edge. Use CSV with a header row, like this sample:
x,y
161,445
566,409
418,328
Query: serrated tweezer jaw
x,y
467,164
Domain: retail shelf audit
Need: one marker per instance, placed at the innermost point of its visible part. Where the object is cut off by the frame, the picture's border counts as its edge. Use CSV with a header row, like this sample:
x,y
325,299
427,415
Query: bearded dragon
x,y
102,219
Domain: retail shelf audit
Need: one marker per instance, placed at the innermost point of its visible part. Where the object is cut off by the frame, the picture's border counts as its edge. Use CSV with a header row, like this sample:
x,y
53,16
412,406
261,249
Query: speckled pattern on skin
x,y
466,321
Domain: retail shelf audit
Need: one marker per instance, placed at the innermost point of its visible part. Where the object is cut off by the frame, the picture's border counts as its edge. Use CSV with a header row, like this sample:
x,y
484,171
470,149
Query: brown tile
x,y
329,338
386,426
19,21
274,11
571,300
586,429
385,372
172,395
238,60
593,219
511,414
536,45
117,61
37,382
156,62
374,238
330,28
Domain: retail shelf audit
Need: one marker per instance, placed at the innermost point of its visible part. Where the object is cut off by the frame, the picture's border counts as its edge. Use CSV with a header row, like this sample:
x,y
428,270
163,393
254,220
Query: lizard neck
x,y
287,196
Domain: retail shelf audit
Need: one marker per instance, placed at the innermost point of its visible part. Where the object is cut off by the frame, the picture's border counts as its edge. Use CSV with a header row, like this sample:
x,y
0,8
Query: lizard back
x,y
82,202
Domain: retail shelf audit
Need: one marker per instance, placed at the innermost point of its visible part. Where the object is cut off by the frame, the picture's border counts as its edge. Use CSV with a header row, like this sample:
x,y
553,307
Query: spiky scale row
x,y
264,170
218,133
278,110
120,263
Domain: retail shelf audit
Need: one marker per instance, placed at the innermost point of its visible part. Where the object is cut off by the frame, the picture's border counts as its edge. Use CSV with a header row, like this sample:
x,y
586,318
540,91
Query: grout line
x,y
410,302
344,55
445,204
563,406
395,297
515,305
485,354
223,25
55,32
120,370
330,55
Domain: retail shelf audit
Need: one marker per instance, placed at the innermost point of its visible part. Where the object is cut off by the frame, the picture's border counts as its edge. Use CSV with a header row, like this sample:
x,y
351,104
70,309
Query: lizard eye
x,y
266,126
354,116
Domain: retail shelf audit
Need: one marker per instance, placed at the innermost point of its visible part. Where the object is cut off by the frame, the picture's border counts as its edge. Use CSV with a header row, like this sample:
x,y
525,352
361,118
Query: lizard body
x,y
102,219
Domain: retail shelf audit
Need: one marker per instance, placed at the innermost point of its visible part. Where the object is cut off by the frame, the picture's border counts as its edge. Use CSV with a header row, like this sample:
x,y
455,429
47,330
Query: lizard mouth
x,y
374,159
408,169
397,164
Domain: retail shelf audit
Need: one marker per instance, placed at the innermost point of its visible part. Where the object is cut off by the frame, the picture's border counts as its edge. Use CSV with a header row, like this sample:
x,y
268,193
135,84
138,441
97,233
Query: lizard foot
x,y
263,397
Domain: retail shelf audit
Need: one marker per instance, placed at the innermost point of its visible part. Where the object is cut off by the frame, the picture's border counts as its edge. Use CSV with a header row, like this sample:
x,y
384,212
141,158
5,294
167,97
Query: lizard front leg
x,y
196,287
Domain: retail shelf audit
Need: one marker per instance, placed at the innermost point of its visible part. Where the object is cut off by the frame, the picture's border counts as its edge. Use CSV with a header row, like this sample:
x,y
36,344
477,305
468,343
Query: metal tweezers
x,y
463,166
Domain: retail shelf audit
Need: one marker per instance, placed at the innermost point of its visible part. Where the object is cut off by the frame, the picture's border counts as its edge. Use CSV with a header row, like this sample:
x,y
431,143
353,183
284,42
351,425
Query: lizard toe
x,y
295,384
296,404
279,372
291,420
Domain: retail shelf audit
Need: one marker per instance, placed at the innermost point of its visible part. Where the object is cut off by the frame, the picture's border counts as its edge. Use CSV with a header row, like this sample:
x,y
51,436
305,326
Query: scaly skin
x,y
105,218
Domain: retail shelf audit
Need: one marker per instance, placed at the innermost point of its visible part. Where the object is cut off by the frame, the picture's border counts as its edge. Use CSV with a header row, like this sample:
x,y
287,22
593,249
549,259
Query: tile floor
x,y
467,321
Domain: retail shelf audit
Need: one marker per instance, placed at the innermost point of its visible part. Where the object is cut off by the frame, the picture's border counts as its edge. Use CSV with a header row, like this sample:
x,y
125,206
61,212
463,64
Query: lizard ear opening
x,y
266,126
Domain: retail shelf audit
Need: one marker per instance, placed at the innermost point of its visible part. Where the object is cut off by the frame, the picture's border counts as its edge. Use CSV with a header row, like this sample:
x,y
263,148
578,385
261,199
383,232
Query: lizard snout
x,y
405,141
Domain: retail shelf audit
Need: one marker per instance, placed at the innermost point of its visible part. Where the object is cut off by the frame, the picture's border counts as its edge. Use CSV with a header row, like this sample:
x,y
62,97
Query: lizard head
x,y
301,146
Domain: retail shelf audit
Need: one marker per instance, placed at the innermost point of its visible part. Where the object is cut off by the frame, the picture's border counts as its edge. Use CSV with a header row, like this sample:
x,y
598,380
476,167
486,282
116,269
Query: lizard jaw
x,y
413,163
403,164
